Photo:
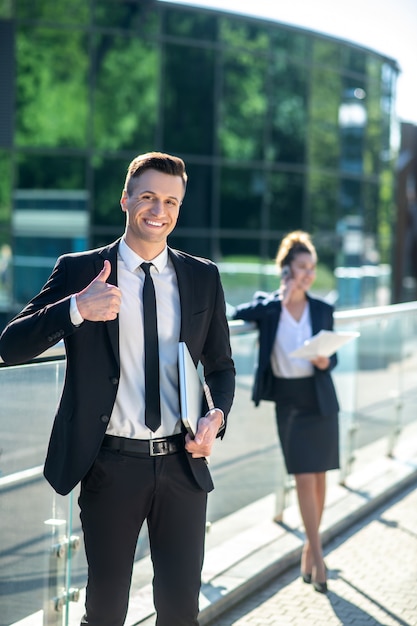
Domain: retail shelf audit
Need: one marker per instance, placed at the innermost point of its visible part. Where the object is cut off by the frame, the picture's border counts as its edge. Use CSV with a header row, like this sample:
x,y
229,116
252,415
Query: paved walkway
x,y
372,578
250,573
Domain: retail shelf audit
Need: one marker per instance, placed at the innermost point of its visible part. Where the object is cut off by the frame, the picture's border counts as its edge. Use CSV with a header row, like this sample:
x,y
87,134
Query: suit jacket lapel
x,y
315,316
185,279
112,327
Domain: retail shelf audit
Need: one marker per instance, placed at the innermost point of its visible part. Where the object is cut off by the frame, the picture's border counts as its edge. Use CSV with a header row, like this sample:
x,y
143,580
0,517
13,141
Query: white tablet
x,y
191,389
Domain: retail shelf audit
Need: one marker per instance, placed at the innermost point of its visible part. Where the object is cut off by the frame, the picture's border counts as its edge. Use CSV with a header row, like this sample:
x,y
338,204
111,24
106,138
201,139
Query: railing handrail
x,y
239,327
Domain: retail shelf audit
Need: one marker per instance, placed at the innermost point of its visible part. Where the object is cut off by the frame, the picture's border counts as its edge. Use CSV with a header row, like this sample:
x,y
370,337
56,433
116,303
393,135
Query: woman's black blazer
x,y
265,310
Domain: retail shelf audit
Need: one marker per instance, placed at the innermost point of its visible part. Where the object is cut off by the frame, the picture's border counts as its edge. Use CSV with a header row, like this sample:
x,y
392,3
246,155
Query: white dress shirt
x,y
128,415
290,336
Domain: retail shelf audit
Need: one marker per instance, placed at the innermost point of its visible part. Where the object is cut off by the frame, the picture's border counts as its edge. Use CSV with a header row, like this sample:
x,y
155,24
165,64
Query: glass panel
x,y
238,246
103,236
374,149
51,82
345,380
353,60
324,103
376,385
370,212
323,201
243,275
353,120
132,15
5,190
34,527
288,101
5,237
291,44
242,191
41,384
125,96
388,80
6,8
196,210
350,196
182,23
246,444
54,11
109,178
187,100
244,106
387,191
386,388
45,171
35,520
196,244
244,35
286,201
50,218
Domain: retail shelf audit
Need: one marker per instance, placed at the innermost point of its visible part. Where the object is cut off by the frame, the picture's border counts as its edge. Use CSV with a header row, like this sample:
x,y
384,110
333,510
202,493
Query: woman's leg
x,y
311,496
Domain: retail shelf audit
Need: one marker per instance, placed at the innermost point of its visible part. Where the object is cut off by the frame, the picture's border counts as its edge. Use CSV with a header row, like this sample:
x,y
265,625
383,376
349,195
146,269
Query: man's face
x,y
152,208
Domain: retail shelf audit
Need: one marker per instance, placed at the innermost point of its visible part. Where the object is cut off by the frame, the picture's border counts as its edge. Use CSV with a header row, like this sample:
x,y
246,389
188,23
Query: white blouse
x,y
290,336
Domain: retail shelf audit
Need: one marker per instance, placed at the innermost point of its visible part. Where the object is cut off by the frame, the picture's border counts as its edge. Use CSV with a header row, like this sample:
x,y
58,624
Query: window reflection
x,y
286,204
187,99
52,86
289,113
108,176
125,94
244,90
280,128
133,16
198,26
242,193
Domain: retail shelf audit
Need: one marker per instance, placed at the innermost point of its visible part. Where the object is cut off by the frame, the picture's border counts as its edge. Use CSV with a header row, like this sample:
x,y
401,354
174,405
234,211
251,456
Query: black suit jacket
x,y
93,363
265,310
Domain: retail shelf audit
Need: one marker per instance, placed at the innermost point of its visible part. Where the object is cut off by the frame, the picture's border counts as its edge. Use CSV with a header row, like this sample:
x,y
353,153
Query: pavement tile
x,y
372,578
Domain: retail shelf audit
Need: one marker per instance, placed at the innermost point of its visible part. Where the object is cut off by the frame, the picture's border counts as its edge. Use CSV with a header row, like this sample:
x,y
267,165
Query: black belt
x,y
149,447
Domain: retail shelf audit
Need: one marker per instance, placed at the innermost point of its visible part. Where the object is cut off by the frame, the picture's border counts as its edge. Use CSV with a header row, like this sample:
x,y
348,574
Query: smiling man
x,y
132,468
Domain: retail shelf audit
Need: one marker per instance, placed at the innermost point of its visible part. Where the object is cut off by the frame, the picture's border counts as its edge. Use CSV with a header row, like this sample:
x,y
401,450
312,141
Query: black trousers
x,y
117,495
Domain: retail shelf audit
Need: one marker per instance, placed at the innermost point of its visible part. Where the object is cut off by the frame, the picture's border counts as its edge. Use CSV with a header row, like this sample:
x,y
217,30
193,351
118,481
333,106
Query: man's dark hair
x,y
165,163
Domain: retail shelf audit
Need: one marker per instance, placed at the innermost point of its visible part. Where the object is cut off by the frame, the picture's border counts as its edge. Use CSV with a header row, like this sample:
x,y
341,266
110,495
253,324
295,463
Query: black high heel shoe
x,y
306,578
320,587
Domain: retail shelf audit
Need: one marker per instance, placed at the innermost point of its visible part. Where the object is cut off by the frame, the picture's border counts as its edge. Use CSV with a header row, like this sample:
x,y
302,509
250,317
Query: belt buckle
x,y
158,447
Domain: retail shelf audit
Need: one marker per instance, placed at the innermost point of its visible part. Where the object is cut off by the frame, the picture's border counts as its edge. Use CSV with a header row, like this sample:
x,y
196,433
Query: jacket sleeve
x,y
252,311
43,322
219,370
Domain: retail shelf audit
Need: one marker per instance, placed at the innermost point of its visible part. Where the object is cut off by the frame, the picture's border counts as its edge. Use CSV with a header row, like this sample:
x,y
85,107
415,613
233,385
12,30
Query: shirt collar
x,y
133,260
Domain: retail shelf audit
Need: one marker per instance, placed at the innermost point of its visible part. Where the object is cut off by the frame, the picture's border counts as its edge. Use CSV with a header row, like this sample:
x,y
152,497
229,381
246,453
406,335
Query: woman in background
x,y
305,399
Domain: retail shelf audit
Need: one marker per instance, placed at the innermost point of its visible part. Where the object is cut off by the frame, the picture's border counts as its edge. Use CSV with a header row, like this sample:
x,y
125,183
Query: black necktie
x,y
150,328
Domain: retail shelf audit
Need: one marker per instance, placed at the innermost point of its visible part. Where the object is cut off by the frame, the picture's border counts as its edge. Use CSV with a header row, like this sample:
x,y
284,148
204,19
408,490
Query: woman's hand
x,y
286,289
321,362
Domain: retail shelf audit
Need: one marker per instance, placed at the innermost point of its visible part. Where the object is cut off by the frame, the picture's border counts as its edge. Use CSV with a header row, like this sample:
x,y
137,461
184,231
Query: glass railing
x,y
42,568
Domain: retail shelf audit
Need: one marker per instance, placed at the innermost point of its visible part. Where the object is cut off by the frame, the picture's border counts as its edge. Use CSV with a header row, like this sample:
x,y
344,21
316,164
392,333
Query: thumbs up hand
x,y
99,301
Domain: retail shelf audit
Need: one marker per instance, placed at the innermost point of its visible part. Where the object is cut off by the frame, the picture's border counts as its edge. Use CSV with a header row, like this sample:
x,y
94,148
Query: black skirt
x,y
309,440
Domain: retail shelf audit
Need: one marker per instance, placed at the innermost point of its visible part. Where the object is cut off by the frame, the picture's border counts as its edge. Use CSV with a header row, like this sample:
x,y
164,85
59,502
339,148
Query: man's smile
x,y
152,223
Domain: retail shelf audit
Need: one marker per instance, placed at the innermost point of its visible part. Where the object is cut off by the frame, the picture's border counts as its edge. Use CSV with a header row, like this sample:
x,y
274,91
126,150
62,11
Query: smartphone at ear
x,y
285,272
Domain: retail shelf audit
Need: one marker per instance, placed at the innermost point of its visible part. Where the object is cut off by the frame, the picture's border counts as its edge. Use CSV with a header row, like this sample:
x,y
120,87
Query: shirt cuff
x,y
223,424
75,315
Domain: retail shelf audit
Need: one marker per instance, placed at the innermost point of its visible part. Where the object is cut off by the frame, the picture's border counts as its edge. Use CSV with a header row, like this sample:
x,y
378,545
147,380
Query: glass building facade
x,y
280,129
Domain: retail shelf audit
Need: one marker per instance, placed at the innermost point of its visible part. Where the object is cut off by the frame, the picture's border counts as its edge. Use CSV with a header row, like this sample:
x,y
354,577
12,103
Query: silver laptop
x,y
191,389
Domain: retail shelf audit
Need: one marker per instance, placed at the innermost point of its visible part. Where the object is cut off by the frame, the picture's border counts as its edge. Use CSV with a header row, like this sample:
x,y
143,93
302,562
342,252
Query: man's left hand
x,y
208,427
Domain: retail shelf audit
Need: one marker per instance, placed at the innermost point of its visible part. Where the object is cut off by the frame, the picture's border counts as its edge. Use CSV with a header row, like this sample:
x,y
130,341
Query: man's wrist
x,y
218,412
75,315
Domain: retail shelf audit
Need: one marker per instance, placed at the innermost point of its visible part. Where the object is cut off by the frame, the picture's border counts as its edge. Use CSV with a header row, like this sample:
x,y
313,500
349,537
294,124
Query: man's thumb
x,y
105,272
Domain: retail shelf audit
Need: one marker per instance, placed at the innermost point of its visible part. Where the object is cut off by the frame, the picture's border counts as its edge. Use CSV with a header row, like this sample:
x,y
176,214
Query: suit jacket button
x,y
114,380
105,419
